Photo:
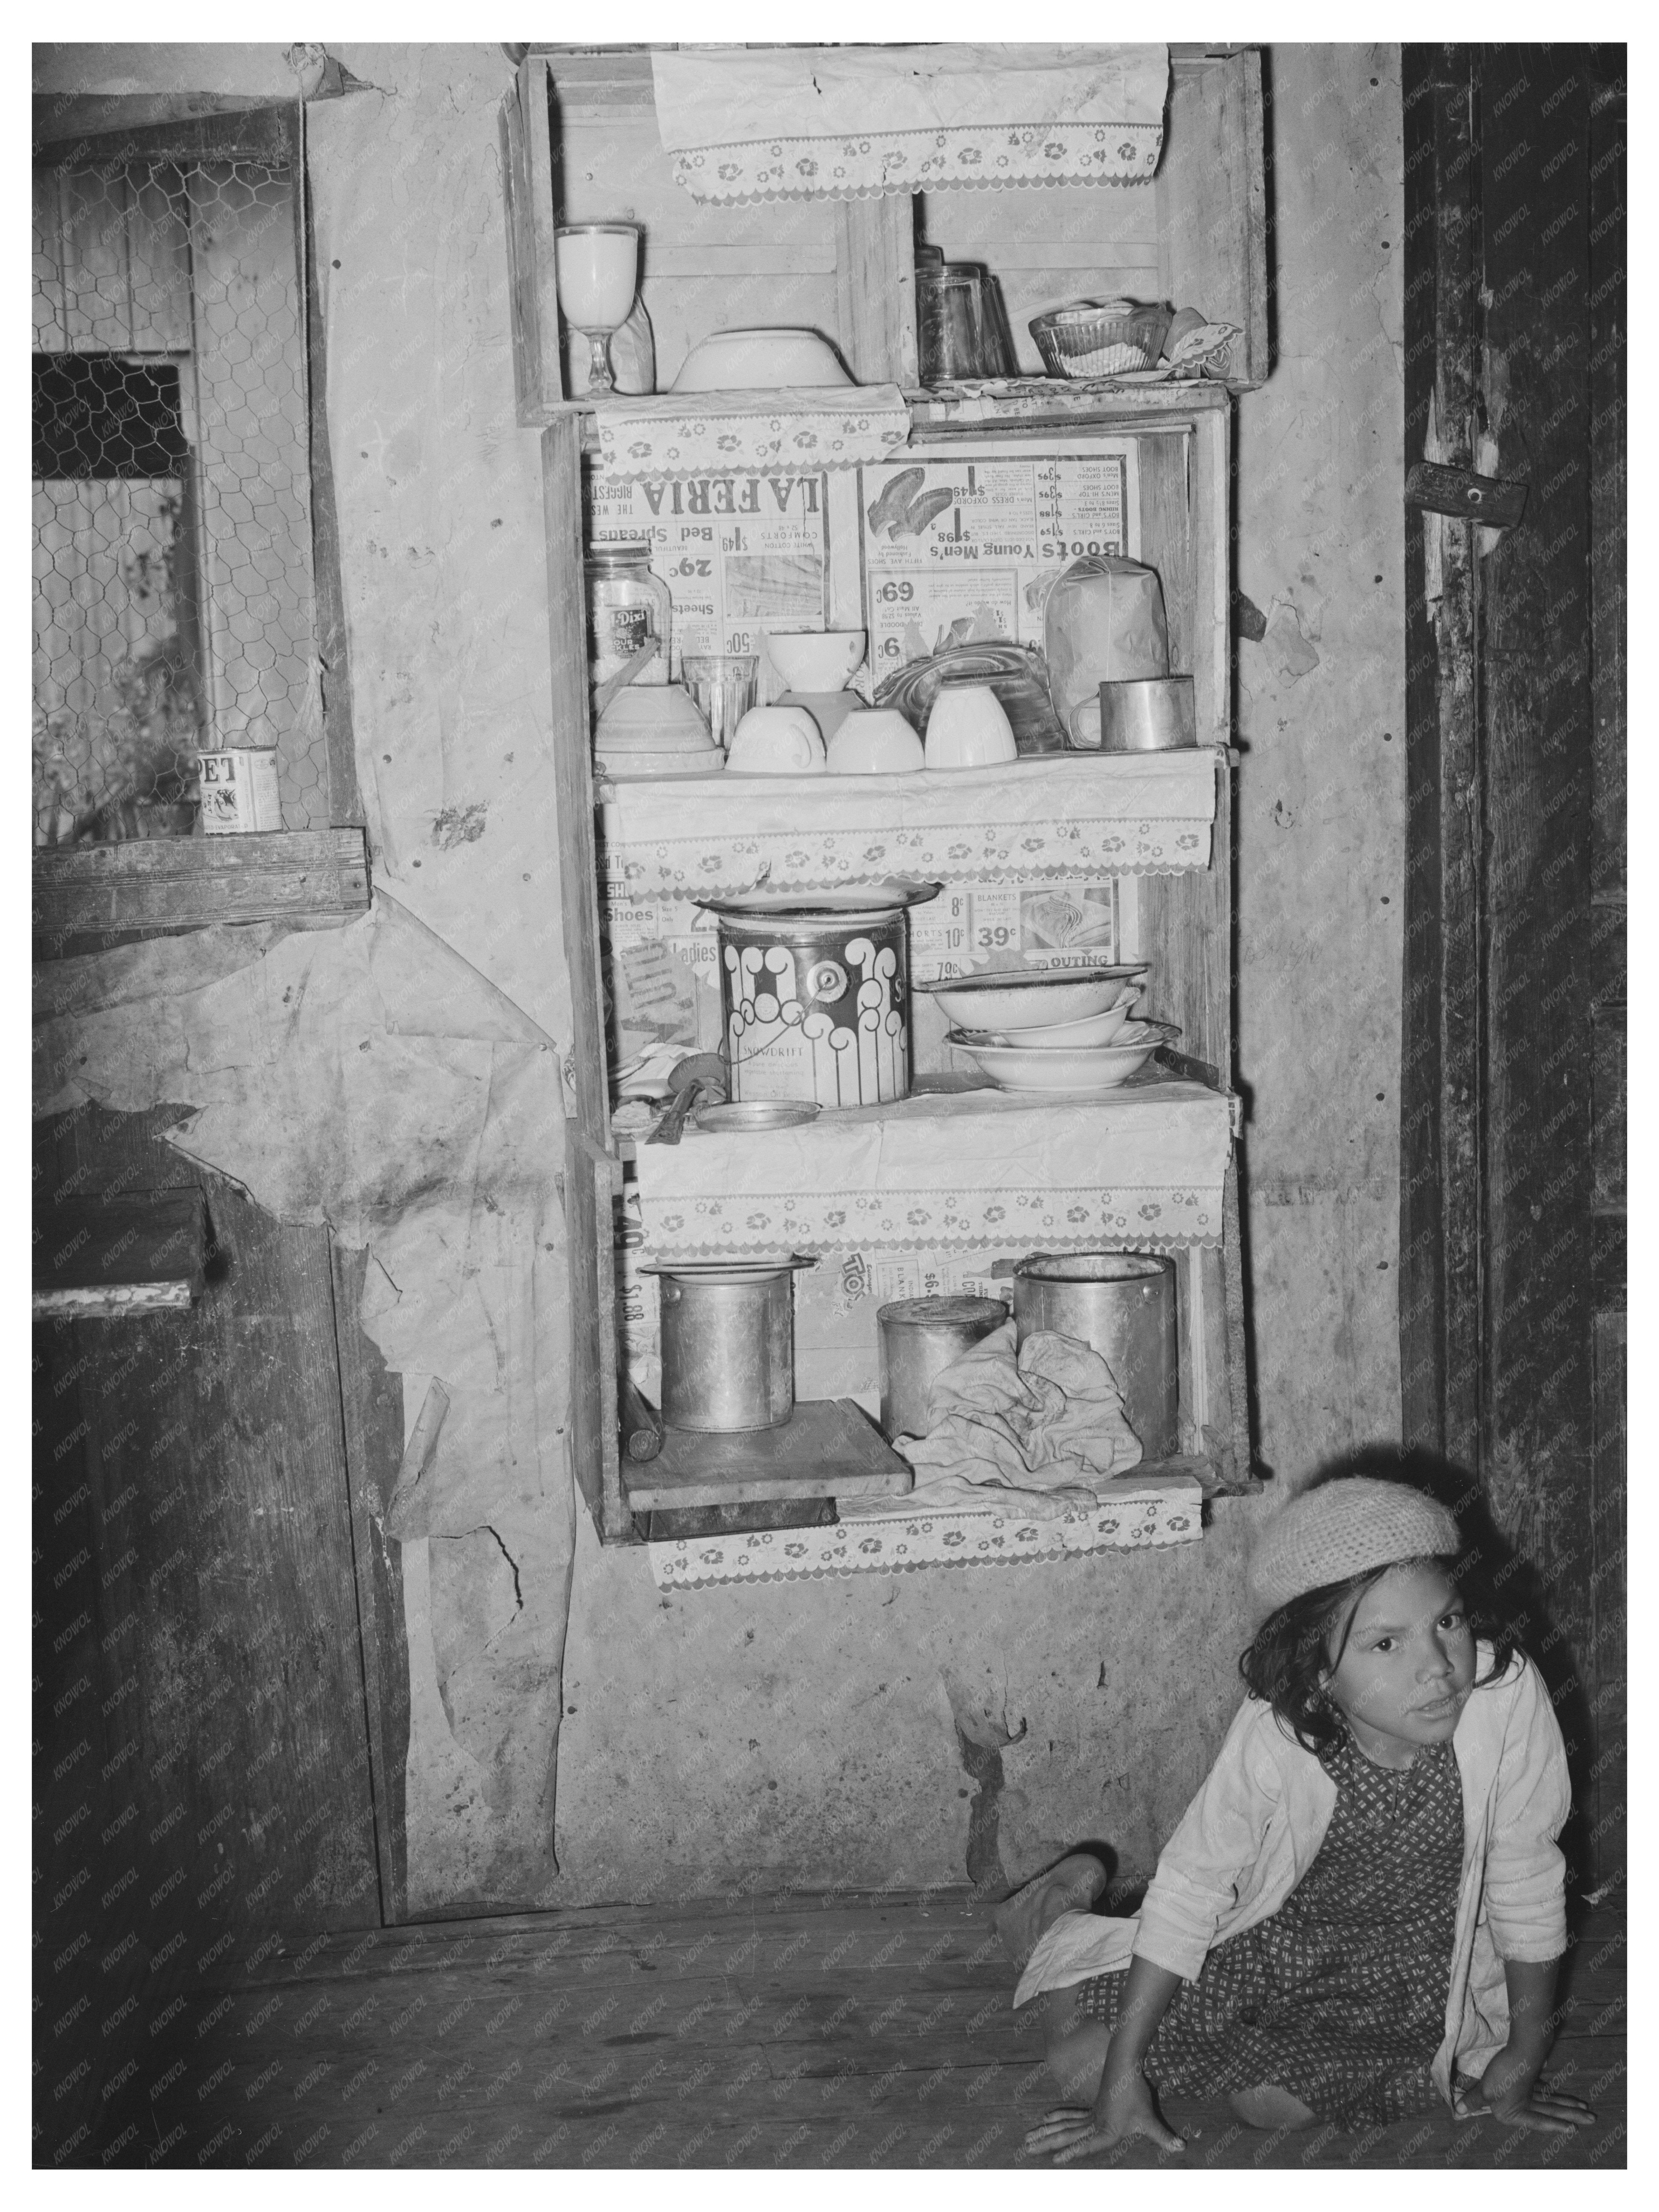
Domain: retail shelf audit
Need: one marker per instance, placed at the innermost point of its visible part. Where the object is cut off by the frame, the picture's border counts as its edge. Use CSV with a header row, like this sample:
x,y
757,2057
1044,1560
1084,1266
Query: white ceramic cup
x,y
775,741
968,728
874,741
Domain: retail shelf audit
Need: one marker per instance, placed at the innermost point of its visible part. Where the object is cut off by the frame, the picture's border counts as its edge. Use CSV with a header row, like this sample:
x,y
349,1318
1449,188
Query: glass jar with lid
x,y
626,606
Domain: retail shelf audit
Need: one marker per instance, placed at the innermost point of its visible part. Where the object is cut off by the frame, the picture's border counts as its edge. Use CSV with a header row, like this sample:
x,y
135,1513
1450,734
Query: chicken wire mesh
x,y
174,610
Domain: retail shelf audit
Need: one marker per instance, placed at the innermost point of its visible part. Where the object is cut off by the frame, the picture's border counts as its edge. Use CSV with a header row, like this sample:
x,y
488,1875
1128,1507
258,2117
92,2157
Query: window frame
x,y
92,897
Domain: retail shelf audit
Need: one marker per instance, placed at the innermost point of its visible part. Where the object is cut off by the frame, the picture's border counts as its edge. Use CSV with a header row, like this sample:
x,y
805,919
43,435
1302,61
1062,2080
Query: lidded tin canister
x,y
728,1345
818,1006
1122,1304
920,1339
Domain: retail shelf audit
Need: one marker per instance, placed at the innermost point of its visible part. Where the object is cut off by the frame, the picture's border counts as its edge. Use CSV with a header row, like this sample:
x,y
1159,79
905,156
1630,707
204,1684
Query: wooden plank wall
x,y
1512,1331
1442,1067
201,1759
1609,1600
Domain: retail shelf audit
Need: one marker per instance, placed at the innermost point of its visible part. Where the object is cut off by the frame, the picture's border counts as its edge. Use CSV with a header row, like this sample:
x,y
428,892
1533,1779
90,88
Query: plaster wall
x,y
1321,804
914,1728
809,1735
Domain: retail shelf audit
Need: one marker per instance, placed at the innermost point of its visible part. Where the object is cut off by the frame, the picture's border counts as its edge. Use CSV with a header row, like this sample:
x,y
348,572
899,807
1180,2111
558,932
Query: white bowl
x,y
874,741
1092,1029
968,728
817,660
1016,999
775,741
762,360
1078,1073
655,718
635,766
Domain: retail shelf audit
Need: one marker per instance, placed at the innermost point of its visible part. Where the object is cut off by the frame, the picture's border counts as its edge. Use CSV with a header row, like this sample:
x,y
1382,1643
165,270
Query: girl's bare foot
x,y
1267,2105
1071,1887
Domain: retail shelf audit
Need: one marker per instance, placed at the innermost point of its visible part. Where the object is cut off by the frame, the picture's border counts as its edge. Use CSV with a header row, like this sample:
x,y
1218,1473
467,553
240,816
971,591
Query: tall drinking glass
x,y
597,267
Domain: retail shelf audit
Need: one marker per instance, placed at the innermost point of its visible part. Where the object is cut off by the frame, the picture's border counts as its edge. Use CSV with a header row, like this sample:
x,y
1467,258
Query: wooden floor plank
x,y
858,2035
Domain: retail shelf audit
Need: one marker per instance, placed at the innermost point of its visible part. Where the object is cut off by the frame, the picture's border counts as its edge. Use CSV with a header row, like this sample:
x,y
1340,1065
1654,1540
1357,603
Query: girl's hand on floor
x,y
1548,2110
1073,2131
1526,2104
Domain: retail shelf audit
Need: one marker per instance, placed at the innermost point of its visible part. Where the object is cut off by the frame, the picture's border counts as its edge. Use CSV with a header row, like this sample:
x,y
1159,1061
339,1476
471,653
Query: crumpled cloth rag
x,y
1041,1424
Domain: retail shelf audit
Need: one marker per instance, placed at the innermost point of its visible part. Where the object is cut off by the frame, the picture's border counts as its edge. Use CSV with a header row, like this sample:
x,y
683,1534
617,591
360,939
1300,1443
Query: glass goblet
x,y
597,266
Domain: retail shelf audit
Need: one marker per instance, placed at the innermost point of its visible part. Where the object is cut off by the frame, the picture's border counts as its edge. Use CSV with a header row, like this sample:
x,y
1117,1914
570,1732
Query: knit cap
x,y
1346,1528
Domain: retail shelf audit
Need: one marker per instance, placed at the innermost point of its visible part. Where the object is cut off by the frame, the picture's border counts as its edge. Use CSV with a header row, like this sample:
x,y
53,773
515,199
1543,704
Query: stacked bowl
x,y
1068,1031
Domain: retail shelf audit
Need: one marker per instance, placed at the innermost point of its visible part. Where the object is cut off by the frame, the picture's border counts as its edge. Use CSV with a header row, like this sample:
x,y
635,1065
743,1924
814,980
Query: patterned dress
x,y
1340,1995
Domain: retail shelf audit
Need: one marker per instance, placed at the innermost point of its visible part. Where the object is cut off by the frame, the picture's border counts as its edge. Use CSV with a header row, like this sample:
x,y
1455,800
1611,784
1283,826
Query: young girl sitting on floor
x,y
1365,1894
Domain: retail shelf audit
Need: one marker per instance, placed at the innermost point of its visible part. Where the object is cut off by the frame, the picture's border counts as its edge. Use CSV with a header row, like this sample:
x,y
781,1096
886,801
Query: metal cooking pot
x,y
728,1345
1122,1304
919,1338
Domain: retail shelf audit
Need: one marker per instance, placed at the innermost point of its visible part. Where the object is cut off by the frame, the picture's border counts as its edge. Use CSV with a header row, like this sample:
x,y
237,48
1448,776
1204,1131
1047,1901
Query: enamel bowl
x,y
874,741
967,727
1093,1028
1081,1071
775,741
1026,997
760,360
815,659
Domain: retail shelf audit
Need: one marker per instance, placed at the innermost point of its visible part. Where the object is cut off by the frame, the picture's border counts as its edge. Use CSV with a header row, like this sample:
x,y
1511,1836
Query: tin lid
x,y
616,556
959,1311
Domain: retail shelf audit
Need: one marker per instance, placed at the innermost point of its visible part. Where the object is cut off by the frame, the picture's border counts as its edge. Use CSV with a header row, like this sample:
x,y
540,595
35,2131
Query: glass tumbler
x,y
723,685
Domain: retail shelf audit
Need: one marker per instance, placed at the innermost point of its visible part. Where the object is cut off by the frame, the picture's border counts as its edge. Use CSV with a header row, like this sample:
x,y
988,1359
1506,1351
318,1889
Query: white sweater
x,y
1252,1830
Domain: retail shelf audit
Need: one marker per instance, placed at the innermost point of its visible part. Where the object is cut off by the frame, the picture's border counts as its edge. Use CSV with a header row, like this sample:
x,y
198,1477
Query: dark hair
x,y
1292,1655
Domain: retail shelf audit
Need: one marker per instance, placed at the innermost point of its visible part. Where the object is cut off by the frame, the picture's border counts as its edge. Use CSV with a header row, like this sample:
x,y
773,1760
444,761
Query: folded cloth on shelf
x,y
1141,1167
1041,1424
848,122
1059,816
701,433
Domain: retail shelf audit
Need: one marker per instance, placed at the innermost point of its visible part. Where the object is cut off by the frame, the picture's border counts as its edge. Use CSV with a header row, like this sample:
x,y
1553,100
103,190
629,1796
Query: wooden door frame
x,y
1510,1314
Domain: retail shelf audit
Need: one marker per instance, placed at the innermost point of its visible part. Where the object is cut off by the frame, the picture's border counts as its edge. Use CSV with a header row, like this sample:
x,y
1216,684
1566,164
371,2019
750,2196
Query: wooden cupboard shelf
x,y
580,140
579,137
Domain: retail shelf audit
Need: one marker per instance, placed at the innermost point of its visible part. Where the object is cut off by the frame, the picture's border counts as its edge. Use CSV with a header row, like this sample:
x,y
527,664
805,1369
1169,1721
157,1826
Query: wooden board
x,y
1537,729
527,185
761,2033
372,1400
1441,1080
591,1179
573,771
828,1449
135,1252
201,1758
1212,218
183,882
875,288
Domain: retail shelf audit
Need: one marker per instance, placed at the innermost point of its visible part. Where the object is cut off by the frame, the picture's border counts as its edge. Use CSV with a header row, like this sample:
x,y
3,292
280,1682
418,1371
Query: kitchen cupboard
x,y
580,143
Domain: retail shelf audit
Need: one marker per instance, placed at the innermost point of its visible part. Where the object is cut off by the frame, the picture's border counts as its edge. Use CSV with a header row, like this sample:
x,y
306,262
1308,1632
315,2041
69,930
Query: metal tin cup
x,y
1123,1305
728,1346
920,1339
818,1006
1148,715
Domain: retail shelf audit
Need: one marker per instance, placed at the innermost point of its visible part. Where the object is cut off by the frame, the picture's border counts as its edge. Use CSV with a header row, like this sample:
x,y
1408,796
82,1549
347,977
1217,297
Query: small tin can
x,y
239,791
919,1338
